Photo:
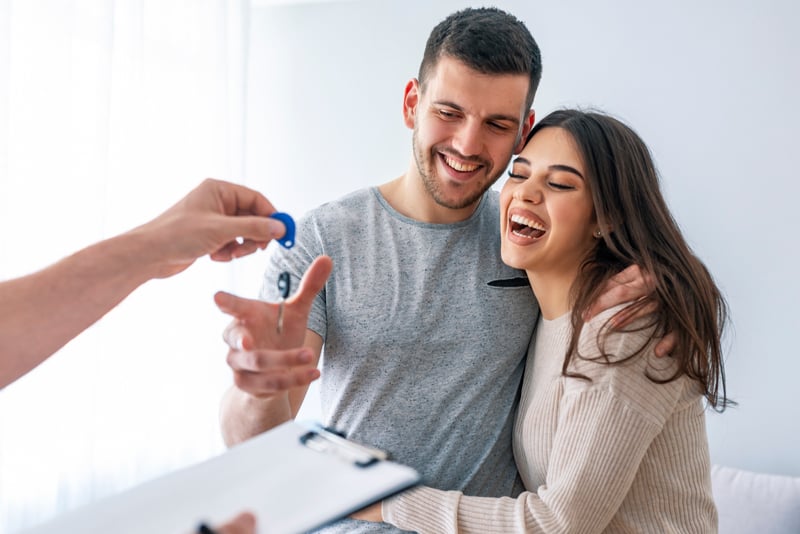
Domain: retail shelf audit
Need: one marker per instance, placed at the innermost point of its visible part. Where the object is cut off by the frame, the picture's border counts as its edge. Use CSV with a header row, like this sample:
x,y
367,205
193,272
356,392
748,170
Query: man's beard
x,y
434,188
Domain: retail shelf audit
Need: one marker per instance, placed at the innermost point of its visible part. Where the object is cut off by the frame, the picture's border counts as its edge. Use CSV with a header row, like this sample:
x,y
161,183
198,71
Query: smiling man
x,y
423,354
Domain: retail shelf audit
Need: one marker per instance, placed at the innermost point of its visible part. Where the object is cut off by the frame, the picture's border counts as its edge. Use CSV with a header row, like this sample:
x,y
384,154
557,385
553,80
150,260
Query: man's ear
x,y
527,124
410,101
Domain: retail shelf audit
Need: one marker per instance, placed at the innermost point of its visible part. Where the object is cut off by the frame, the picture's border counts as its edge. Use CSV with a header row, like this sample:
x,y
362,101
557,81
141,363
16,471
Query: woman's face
x,y
547,220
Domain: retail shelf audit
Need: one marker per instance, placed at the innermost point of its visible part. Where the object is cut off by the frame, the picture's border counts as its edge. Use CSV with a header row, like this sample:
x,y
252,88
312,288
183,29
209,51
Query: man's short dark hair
x,y
487,40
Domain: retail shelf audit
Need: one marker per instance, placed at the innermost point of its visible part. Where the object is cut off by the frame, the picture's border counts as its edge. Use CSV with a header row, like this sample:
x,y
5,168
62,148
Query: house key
x,y
284,286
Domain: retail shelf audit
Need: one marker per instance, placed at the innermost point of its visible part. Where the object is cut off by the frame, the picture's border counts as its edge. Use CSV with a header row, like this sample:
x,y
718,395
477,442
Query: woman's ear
x,y
601,229
410,101
606,229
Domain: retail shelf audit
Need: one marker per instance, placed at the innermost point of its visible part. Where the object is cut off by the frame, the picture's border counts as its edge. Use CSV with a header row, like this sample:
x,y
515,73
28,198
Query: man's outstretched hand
x,y
263,361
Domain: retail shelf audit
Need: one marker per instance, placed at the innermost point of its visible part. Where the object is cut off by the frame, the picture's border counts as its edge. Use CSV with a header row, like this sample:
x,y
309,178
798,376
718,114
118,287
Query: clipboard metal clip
x,y
324,440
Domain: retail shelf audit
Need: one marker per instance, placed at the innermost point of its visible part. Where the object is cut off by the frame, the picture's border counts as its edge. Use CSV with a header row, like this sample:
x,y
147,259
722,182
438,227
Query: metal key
x,y
284,285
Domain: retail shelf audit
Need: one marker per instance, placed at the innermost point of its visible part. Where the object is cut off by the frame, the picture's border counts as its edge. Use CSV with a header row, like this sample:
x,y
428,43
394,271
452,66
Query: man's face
x,y
466,127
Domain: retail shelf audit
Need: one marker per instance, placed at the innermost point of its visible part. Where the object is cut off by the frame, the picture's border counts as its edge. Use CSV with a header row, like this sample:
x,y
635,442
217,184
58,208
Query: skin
x,y
257,383
466,126
546,190
217,218
473,121
547,226
244,523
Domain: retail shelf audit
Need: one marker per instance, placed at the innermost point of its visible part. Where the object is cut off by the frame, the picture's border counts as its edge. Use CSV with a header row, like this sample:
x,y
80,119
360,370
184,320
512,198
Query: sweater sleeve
x,y
604,429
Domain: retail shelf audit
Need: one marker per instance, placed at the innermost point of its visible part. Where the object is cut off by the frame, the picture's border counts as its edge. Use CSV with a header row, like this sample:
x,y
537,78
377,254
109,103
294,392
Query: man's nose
x,y
468,140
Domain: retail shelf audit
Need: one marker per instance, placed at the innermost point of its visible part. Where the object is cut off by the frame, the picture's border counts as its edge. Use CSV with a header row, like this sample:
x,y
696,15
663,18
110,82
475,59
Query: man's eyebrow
x,y
556,167
494,117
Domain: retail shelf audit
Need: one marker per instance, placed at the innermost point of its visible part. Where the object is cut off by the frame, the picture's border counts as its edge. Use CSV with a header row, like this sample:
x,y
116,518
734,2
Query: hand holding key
x,y
265,338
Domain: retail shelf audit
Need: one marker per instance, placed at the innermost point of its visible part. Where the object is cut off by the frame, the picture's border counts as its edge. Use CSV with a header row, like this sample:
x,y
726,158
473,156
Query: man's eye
x,y
499,126
446,114
516,176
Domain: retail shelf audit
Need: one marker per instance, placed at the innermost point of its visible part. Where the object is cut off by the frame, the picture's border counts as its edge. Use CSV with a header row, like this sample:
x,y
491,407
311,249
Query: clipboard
x,y
294,478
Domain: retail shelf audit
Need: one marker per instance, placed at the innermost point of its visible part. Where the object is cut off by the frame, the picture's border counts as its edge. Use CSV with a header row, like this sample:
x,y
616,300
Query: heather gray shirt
x,y
423,357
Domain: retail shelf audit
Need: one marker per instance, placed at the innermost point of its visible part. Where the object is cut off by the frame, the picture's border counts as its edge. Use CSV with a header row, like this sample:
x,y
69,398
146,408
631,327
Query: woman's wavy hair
x,y
639,229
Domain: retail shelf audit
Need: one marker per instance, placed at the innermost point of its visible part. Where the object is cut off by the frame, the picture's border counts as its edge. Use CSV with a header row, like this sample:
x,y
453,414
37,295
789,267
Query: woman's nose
x,y
529,192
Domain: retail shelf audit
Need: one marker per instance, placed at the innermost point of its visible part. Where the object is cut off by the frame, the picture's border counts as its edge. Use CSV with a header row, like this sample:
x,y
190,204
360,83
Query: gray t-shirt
x,y
426,332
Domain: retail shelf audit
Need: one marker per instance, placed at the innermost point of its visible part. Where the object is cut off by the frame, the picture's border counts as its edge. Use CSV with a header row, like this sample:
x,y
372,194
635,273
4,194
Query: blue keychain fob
x,y
287,241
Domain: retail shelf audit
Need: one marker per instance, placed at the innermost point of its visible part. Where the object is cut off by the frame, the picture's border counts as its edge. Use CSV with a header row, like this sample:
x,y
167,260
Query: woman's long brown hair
x,y
639,229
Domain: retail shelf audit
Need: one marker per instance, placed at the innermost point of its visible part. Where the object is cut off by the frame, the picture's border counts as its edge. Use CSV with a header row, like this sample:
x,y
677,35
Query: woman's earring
x,y
598,234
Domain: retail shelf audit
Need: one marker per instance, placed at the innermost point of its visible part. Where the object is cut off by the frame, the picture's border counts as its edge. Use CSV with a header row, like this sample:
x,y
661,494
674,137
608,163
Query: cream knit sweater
x,y
618,454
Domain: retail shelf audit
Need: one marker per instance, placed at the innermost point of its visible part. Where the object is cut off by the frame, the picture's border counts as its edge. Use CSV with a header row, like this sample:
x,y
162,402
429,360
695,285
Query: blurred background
x,y
110,111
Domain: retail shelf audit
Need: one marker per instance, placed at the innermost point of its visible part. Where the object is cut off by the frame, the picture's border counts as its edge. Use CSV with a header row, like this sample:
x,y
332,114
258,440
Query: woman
x,y
608,438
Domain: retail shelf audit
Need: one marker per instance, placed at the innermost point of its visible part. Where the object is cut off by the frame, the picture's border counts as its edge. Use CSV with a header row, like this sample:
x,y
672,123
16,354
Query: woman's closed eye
x,y
512,174
560,186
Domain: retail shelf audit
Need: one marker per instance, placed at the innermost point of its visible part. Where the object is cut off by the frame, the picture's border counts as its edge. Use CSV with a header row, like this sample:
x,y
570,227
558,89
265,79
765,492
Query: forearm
x,y
41,312
243,416
595,456
427,510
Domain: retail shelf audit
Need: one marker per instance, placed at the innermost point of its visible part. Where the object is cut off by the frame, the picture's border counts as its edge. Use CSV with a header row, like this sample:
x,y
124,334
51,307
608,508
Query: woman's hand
x,y
370,513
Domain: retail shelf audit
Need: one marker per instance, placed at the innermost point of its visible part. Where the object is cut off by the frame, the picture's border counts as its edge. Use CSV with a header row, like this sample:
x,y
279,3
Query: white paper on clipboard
x,y
295,477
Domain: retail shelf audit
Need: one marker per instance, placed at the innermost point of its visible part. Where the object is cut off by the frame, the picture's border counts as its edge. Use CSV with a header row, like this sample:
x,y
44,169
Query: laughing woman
x,y
608,438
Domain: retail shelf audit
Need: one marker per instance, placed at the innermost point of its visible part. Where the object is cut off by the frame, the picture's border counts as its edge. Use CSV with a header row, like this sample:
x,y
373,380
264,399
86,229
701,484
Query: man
x,y
41,312
424,334
424,328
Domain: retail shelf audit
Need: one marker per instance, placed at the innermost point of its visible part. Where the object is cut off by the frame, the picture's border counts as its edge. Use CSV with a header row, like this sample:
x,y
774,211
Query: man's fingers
x,y
267,384
665,345
237,336
626,286
266,360
627,275
638,282
238,307
628,314
610,297
312,282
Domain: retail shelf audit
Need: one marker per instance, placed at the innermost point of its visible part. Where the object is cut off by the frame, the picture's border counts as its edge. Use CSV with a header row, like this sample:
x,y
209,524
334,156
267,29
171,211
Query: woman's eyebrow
x,y
567,168
555,167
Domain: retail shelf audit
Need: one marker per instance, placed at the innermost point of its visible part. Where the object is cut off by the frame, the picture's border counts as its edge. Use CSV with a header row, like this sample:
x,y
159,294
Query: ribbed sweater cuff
x,y
423,510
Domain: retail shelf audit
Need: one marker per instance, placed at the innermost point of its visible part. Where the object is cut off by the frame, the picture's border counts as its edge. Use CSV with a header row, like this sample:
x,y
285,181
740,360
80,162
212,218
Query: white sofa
x,y
756,503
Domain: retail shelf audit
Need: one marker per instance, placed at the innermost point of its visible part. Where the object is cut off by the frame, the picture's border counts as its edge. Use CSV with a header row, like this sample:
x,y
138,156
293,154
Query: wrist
x,y
138,254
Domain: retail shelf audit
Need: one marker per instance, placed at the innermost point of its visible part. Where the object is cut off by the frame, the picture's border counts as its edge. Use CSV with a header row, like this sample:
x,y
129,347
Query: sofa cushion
x,y
751,503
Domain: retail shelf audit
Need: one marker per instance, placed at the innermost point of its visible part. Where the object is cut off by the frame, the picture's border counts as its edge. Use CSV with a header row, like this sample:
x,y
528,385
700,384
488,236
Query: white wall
x,y
710,85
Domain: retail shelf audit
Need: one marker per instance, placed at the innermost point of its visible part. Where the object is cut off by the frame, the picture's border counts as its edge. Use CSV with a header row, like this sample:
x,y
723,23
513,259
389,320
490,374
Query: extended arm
x,y
41,312
593,463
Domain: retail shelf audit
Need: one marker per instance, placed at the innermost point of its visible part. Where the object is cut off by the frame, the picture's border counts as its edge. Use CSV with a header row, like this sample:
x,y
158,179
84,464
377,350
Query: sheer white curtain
x,y
109,112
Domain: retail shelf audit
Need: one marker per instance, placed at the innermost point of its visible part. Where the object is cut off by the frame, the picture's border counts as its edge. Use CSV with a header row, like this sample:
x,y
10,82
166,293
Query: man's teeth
x,y
519,219
460,167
